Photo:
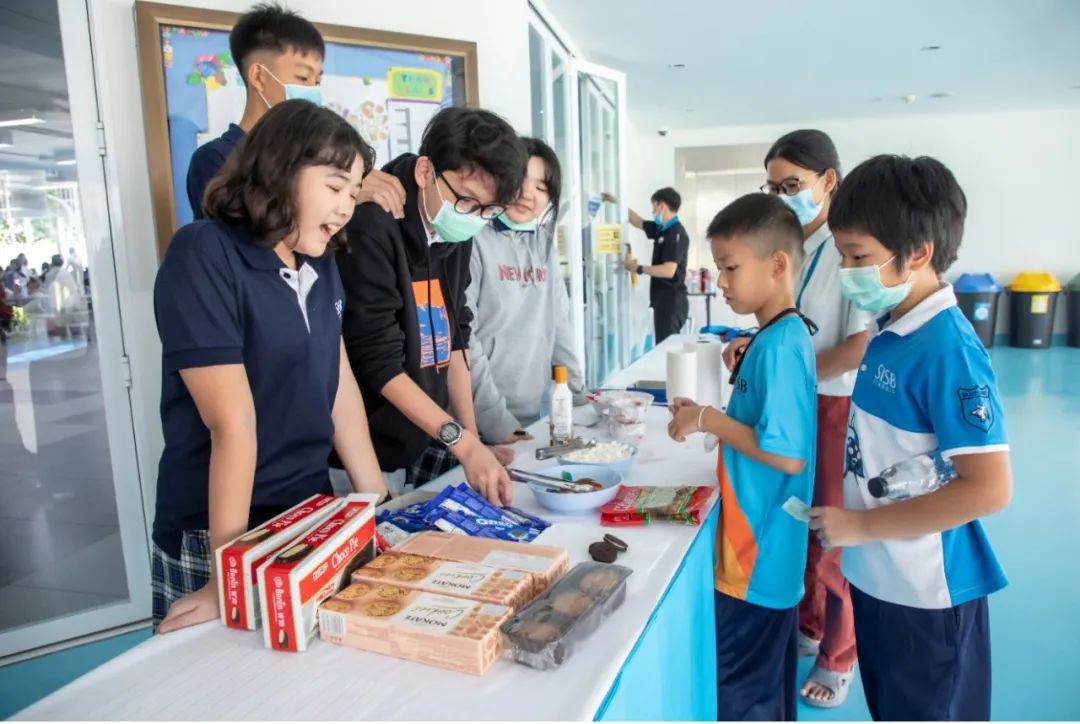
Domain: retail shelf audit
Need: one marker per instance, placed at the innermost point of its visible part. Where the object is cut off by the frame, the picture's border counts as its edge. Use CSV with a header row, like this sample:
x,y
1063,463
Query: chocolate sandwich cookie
x,y
617,543
603,552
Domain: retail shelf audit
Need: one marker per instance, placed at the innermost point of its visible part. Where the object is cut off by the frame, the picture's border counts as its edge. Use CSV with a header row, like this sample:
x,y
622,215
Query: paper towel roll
x,y
682,373
712,374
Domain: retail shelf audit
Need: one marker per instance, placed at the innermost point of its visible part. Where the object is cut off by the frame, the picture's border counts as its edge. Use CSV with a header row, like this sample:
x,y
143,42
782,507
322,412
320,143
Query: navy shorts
x,y
920,664
757,657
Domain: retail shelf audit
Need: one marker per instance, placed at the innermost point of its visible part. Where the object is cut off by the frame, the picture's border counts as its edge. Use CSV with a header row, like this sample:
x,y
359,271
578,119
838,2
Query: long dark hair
x,y
257,185
810,149
552,171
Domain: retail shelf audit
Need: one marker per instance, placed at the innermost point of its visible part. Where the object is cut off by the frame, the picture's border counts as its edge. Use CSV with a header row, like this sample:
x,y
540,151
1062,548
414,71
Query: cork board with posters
x,y
388,85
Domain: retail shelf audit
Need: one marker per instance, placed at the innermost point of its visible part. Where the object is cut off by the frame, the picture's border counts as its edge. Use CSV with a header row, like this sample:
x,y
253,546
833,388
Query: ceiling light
x,y
677,66
66,162
910,98
939,95
20,119
930,48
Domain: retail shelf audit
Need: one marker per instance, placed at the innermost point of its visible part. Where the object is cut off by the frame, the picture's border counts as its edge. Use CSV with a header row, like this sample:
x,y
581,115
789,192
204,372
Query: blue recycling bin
x,y
977,296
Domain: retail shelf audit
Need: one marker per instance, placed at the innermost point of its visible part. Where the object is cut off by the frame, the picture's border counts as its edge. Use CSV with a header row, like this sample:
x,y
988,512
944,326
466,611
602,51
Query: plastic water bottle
x,y
913,477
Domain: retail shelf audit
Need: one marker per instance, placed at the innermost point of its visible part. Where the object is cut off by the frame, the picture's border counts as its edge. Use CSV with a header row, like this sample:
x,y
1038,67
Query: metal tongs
x,y
555,451
523,476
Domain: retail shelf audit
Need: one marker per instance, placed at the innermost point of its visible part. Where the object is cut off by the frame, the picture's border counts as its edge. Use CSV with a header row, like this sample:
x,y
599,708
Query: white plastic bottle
x,y
561,421
919,475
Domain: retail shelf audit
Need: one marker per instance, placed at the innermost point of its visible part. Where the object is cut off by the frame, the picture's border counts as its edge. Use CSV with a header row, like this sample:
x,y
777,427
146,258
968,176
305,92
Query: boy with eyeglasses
x,y
406,322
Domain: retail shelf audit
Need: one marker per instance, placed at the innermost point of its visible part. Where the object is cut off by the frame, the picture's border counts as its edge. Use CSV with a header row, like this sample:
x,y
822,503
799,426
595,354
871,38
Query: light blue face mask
x,y
310,93
450,224
803,204
529,225
863,287
658,219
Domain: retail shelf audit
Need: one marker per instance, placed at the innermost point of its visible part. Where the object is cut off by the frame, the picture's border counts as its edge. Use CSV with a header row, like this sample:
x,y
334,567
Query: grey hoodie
x,y
521,327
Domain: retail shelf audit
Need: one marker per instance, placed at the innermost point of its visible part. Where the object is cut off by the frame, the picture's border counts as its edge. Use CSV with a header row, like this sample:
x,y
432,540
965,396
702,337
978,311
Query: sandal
x,y
807,645
839,683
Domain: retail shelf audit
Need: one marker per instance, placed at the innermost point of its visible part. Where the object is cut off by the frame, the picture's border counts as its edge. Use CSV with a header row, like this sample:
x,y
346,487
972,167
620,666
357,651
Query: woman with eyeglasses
x,y
406,322
803,168
521,324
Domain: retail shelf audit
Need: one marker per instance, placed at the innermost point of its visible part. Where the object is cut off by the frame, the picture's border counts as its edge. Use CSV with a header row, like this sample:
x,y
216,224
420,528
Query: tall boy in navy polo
x,y
921,568
278,323
279,55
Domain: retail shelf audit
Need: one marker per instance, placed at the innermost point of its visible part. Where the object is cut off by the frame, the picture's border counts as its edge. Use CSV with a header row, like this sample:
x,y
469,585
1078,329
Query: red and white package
x,y
643,505
312,568
238,560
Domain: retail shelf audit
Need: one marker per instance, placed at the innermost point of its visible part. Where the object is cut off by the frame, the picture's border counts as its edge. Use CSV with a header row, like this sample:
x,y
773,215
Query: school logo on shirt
x,y
340,307
434,323
885,379
853,454
975,407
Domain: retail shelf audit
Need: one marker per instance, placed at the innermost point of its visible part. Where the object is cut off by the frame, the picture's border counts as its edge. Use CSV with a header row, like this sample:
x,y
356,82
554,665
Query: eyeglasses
x,y
788,187
469,205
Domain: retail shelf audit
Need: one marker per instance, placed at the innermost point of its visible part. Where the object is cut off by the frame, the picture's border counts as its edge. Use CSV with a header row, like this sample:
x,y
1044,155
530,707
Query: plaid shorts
x,y
172,579
433,462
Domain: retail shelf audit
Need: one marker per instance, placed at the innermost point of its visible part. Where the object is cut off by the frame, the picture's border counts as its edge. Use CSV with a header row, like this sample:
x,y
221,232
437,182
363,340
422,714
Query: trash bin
x,y
977,295
1072,310
1032,303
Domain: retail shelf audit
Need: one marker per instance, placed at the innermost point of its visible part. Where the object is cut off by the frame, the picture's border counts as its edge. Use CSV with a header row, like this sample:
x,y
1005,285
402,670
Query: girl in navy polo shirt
x,y
256,389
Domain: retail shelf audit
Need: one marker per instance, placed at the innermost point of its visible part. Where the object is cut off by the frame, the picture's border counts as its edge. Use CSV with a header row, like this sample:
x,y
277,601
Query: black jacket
x,y
389,271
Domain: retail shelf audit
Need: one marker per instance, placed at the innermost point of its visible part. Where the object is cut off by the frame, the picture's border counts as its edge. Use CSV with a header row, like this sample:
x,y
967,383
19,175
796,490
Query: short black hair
x,y
472,139
807,148
552,169
256,187
271,27
766,222
903,202
669,196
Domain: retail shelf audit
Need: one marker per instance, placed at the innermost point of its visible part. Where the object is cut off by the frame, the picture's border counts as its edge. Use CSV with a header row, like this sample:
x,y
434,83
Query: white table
x,y
210,672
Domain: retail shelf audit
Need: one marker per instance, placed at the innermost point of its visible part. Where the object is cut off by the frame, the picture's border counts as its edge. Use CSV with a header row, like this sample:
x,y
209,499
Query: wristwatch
x,y
640,269
450,433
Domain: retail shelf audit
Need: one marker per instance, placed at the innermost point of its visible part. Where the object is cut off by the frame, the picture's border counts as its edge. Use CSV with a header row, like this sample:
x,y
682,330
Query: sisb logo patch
x,y
975,408
853,454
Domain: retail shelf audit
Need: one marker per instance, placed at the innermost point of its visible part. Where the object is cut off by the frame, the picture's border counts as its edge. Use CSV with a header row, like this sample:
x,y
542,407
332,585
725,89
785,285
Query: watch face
x,y
450,433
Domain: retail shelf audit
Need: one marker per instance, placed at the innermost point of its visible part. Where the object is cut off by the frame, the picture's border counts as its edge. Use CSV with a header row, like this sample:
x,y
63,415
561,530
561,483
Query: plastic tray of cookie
x,y
547,631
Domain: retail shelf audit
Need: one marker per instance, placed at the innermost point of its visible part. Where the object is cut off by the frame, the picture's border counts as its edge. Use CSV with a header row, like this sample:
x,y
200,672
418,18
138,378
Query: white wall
x,y
499,28
1017,170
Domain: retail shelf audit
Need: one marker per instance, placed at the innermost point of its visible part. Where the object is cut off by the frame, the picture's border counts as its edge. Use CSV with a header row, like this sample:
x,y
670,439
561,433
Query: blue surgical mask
x,y
803,204
863,287
529,225
310,93
450,224
658,219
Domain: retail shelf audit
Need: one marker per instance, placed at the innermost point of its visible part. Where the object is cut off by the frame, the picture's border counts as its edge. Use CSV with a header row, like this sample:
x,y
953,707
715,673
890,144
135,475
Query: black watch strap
x,y
640,269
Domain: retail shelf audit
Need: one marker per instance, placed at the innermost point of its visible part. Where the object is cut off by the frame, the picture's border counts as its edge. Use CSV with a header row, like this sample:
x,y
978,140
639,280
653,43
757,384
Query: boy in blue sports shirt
x,y
920,569
766,458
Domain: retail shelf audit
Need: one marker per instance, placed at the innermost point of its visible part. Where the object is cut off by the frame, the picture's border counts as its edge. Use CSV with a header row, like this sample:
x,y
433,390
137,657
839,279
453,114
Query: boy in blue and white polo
x,y
920,569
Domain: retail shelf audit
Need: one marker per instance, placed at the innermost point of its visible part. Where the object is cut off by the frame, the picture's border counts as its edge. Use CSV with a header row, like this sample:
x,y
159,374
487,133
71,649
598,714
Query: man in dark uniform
x,y
667,285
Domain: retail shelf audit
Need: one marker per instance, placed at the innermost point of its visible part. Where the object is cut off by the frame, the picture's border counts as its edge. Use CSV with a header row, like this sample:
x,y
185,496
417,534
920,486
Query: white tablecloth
x,y
210,672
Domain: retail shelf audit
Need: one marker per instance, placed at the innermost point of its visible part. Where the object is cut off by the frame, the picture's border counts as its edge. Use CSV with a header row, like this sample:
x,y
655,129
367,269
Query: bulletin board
x,y
387,85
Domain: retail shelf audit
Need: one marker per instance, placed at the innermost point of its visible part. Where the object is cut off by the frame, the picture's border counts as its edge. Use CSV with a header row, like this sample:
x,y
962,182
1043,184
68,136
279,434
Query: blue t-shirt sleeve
x,y
788,403
196,302
962,401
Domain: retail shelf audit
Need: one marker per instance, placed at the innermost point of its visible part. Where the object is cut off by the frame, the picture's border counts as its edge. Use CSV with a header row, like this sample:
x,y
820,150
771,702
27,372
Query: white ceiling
x,y
775,61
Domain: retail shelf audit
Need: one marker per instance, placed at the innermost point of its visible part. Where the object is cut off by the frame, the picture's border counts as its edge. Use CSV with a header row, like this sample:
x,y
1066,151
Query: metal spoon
x,y
585,485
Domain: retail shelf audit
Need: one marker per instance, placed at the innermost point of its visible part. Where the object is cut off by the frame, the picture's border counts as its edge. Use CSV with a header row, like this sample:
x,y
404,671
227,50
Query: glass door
x,y
73,548
602,108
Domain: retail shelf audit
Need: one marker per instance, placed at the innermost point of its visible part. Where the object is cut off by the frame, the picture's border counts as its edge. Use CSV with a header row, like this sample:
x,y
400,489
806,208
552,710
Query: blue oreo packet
x,y
462,510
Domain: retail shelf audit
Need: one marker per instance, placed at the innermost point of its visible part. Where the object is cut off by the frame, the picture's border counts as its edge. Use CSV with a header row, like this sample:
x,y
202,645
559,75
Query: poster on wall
x,y
387,85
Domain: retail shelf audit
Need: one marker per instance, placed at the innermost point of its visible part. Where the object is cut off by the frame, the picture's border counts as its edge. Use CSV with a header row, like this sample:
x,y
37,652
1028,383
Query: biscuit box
x,y
547,564
312,568
238,560
452,633
465,580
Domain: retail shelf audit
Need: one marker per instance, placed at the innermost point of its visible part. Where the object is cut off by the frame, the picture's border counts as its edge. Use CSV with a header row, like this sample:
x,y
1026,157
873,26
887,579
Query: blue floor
x,y
1035,621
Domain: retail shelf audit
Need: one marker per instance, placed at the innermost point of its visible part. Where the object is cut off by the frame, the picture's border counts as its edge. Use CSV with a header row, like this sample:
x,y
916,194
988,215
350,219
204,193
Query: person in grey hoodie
x,y
521,309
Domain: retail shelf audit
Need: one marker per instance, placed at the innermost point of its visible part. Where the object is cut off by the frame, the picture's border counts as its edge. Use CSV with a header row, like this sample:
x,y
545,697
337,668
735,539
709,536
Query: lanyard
x,y
810,271
791,310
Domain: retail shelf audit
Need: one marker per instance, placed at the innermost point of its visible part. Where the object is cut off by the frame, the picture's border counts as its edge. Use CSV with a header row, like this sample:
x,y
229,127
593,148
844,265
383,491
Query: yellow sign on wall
x,y
609,239
415,84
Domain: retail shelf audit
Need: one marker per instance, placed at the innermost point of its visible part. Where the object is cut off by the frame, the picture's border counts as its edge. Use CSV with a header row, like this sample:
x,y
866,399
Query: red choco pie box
x,y
238,561
312,568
